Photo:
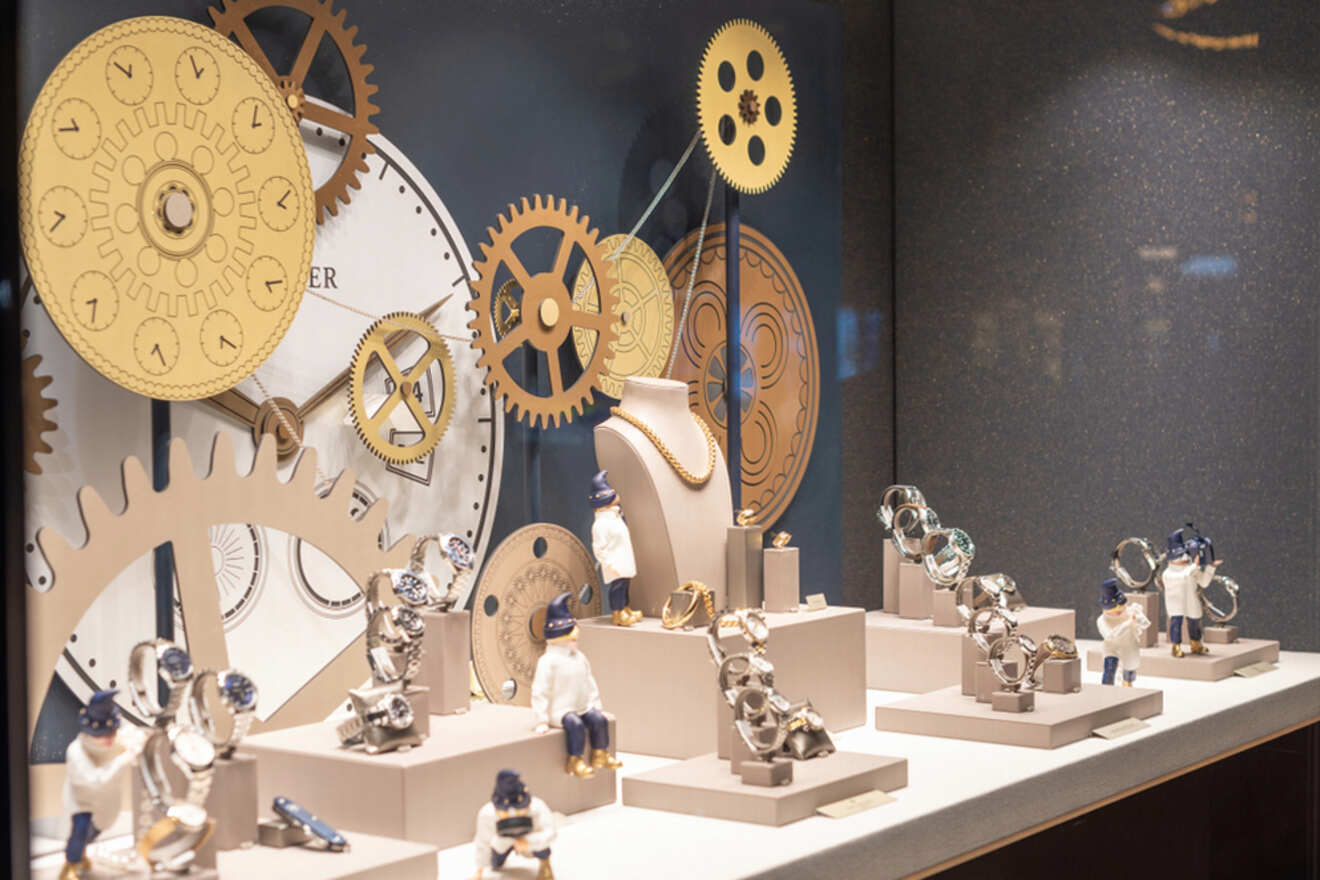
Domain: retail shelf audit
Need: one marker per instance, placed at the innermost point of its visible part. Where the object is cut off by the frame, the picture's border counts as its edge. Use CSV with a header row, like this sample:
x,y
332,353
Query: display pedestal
x,y
1057,720
704,786
104,872
916,656
914,591
944,608
1013,701
745,586
1062,676
446,650
1149,602
661,684
678,531
1219,663
368,858
430,793
232,803
1221,634
889,600
781,568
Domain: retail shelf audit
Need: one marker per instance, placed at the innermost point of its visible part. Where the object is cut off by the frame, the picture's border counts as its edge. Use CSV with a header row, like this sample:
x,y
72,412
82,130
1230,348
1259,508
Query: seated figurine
x,y
92,785
513,821
1121,626
611,544
1191,568
564,694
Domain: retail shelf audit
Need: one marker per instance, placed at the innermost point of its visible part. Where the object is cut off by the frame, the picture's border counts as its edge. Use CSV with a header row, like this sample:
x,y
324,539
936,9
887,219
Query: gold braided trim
x,y
683,473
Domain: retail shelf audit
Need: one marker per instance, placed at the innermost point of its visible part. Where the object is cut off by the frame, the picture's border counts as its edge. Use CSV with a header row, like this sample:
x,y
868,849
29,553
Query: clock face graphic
x,y
286,608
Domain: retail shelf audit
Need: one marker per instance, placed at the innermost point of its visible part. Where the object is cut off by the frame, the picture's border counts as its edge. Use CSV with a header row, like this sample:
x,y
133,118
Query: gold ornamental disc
x,y
779,374
166,207
527,570
646,315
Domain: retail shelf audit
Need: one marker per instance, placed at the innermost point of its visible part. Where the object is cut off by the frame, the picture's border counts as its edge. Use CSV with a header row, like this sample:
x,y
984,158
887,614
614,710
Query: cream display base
x,y
915,591
447,647
916,656
1057,720
1218,664
781,568
431,793
704,786
369,858
52,872
661,685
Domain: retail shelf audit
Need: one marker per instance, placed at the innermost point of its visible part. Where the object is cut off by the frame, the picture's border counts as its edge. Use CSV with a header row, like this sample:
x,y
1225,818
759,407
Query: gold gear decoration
x,y
406,384
139,207
528,569
547,311
35,404
746,106
184,512
230,20
646,315
507,312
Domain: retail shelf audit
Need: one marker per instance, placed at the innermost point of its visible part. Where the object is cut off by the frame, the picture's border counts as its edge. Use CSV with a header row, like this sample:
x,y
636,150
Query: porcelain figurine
x,y
1191,568
564,694
513,822
611,544
1121,625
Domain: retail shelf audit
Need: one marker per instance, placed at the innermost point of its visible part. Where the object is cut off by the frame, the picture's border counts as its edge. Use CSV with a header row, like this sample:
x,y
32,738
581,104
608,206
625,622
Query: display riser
x,y
1056,720
705,786
1220,663
916,656
431,793
661,684
447,649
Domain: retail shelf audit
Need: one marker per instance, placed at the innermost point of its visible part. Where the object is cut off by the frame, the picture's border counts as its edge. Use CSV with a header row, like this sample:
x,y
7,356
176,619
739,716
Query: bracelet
x,y
700,593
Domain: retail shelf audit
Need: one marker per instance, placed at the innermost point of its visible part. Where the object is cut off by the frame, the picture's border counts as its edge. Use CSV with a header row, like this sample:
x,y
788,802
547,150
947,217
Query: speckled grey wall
x,y
1106,290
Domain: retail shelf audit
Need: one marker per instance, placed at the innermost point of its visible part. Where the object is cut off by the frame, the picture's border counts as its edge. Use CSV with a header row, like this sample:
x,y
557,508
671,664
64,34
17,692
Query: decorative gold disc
x,y
779,374
527,570
646,315
166,207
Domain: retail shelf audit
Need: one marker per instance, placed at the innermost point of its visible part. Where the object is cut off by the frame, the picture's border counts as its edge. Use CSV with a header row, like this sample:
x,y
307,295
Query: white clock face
x,y
287,609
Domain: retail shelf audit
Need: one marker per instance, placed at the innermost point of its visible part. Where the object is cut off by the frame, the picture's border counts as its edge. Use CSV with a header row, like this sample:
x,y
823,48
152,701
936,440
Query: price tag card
x,y
1255,669
1120,728
816,602
858,803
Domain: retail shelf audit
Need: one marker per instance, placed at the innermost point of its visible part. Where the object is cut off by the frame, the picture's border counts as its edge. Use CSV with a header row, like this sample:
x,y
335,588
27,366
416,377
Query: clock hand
x,y
262,418
235,404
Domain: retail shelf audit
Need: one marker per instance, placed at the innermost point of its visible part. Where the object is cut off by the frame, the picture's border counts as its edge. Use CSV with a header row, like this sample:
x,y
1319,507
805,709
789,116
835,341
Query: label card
x,y
1120,728
858,803
1255,669
816,602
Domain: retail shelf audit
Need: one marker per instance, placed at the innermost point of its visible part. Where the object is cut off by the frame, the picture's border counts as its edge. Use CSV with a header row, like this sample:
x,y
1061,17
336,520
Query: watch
x,y
184,824
948,565
173,666
238,697
312,825
390,712
893,497
393,630
1024,671
171,843
909,518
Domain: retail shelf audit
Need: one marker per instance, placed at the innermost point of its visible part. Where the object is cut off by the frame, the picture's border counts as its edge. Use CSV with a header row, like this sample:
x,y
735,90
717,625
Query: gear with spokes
x,y
746,106
231,20
547,313
35,405
183,514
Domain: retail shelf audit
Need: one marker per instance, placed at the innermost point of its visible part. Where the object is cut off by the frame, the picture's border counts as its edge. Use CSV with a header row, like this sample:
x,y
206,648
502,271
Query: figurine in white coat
x,y
611,544
513,821
1121,626
1191,568
564,694
92,787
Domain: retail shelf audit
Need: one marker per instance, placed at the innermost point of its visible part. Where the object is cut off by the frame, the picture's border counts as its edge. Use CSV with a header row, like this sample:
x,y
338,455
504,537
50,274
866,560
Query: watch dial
x,y
399,711
410,588
410,622
240,691
195,749
458,551
176,662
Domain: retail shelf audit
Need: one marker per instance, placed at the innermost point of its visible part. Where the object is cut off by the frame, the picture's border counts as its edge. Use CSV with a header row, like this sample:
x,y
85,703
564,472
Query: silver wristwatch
x,y
172,665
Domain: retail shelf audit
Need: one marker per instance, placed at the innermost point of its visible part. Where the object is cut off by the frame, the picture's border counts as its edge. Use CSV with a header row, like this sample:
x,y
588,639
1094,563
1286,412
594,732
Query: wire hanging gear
x,y
230,20
405,387
746,106
547,311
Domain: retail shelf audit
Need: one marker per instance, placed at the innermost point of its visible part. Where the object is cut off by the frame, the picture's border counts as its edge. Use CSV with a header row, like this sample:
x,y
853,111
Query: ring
x,y
1148,554
917,516
238,696
781,539
744,516
995,655
894,496
948,565
1214,612
700,593
173,666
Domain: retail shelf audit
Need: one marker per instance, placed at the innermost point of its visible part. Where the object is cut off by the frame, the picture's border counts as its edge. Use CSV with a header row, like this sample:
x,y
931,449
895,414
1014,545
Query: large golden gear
x,y
184,513
546,310
230,21
35,404
377,346
746,106
527,570
646,315
779,370
165,204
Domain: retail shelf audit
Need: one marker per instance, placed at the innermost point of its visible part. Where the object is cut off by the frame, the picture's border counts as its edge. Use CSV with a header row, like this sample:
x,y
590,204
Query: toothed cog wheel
x,y
165,207
35,405
231,20
547,312
746,106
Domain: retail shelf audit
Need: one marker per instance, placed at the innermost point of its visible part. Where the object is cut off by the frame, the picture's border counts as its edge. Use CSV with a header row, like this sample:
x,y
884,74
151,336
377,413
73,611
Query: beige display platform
x,y
1057,720
678,532
781,568
915,590
430,793
232,802
1218,664
916,656
744,573
661,684
446,651
368,858
889,589
52,872
704,786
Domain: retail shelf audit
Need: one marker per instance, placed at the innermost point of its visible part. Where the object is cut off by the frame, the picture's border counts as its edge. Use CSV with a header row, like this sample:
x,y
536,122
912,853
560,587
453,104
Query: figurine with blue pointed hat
x,y
1121,624
92,786
564,694
611,544
1191,568
514,821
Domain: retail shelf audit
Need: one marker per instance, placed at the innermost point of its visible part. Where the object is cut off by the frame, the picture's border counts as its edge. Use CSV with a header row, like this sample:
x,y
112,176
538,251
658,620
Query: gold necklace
x,y
683,473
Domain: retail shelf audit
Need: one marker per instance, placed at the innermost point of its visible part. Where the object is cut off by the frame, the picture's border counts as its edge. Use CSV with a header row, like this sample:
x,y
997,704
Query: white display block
x,y
661,683
916,656
1219,664
782,590
368,858
446,652
889,596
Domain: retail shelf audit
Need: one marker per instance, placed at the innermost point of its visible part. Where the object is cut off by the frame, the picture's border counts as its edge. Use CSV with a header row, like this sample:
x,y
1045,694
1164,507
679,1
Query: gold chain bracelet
x,y
701,593
683,473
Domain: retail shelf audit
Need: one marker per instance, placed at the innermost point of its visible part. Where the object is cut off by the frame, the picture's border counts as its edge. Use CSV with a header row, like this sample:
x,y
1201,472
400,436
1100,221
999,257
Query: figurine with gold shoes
x,y
611,544
1121,624
1191,568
